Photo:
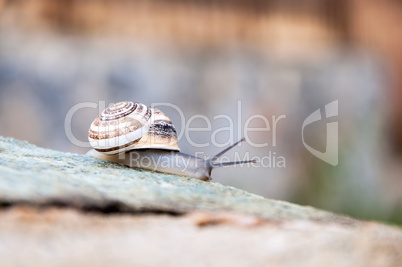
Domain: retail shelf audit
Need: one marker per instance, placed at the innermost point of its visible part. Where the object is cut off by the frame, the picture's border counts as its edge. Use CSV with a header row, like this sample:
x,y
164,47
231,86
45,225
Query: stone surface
x,y
60,209
41,176
67,237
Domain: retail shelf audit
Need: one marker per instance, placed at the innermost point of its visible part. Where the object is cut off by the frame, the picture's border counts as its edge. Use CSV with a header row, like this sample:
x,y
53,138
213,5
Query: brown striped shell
x,y
127,125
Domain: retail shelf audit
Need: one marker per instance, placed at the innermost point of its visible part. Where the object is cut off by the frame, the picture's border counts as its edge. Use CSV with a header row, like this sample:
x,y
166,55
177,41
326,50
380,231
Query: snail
x,y
138,136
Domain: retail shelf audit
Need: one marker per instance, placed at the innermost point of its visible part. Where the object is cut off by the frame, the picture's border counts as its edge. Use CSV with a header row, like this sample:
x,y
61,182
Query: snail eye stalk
x,y
212,164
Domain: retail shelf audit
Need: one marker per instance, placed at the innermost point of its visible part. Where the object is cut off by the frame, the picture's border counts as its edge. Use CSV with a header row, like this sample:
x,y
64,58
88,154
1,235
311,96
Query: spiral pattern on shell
x,y
118,110
129,125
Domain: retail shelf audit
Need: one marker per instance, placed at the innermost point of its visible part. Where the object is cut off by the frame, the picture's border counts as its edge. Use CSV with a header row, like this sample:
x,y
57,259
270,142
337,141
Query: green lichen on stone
x,y
33,175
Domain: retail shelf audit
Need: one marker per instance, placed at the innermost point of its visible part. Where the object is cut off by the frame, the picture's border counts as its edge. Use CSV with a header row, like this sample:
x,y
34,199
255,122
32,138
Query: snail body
x,y
164,161
138,136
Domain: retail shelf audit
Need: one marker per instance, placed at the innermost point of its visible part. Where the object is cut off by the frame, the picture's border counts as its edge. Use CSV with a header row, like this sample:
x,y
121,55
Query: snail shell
x,y
126,126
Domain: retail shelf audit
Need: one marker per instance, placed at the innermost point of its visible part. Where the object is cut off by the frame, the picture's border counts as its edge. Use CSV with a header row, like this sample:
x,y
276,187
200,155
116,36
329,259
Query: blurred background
x,y
277,57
